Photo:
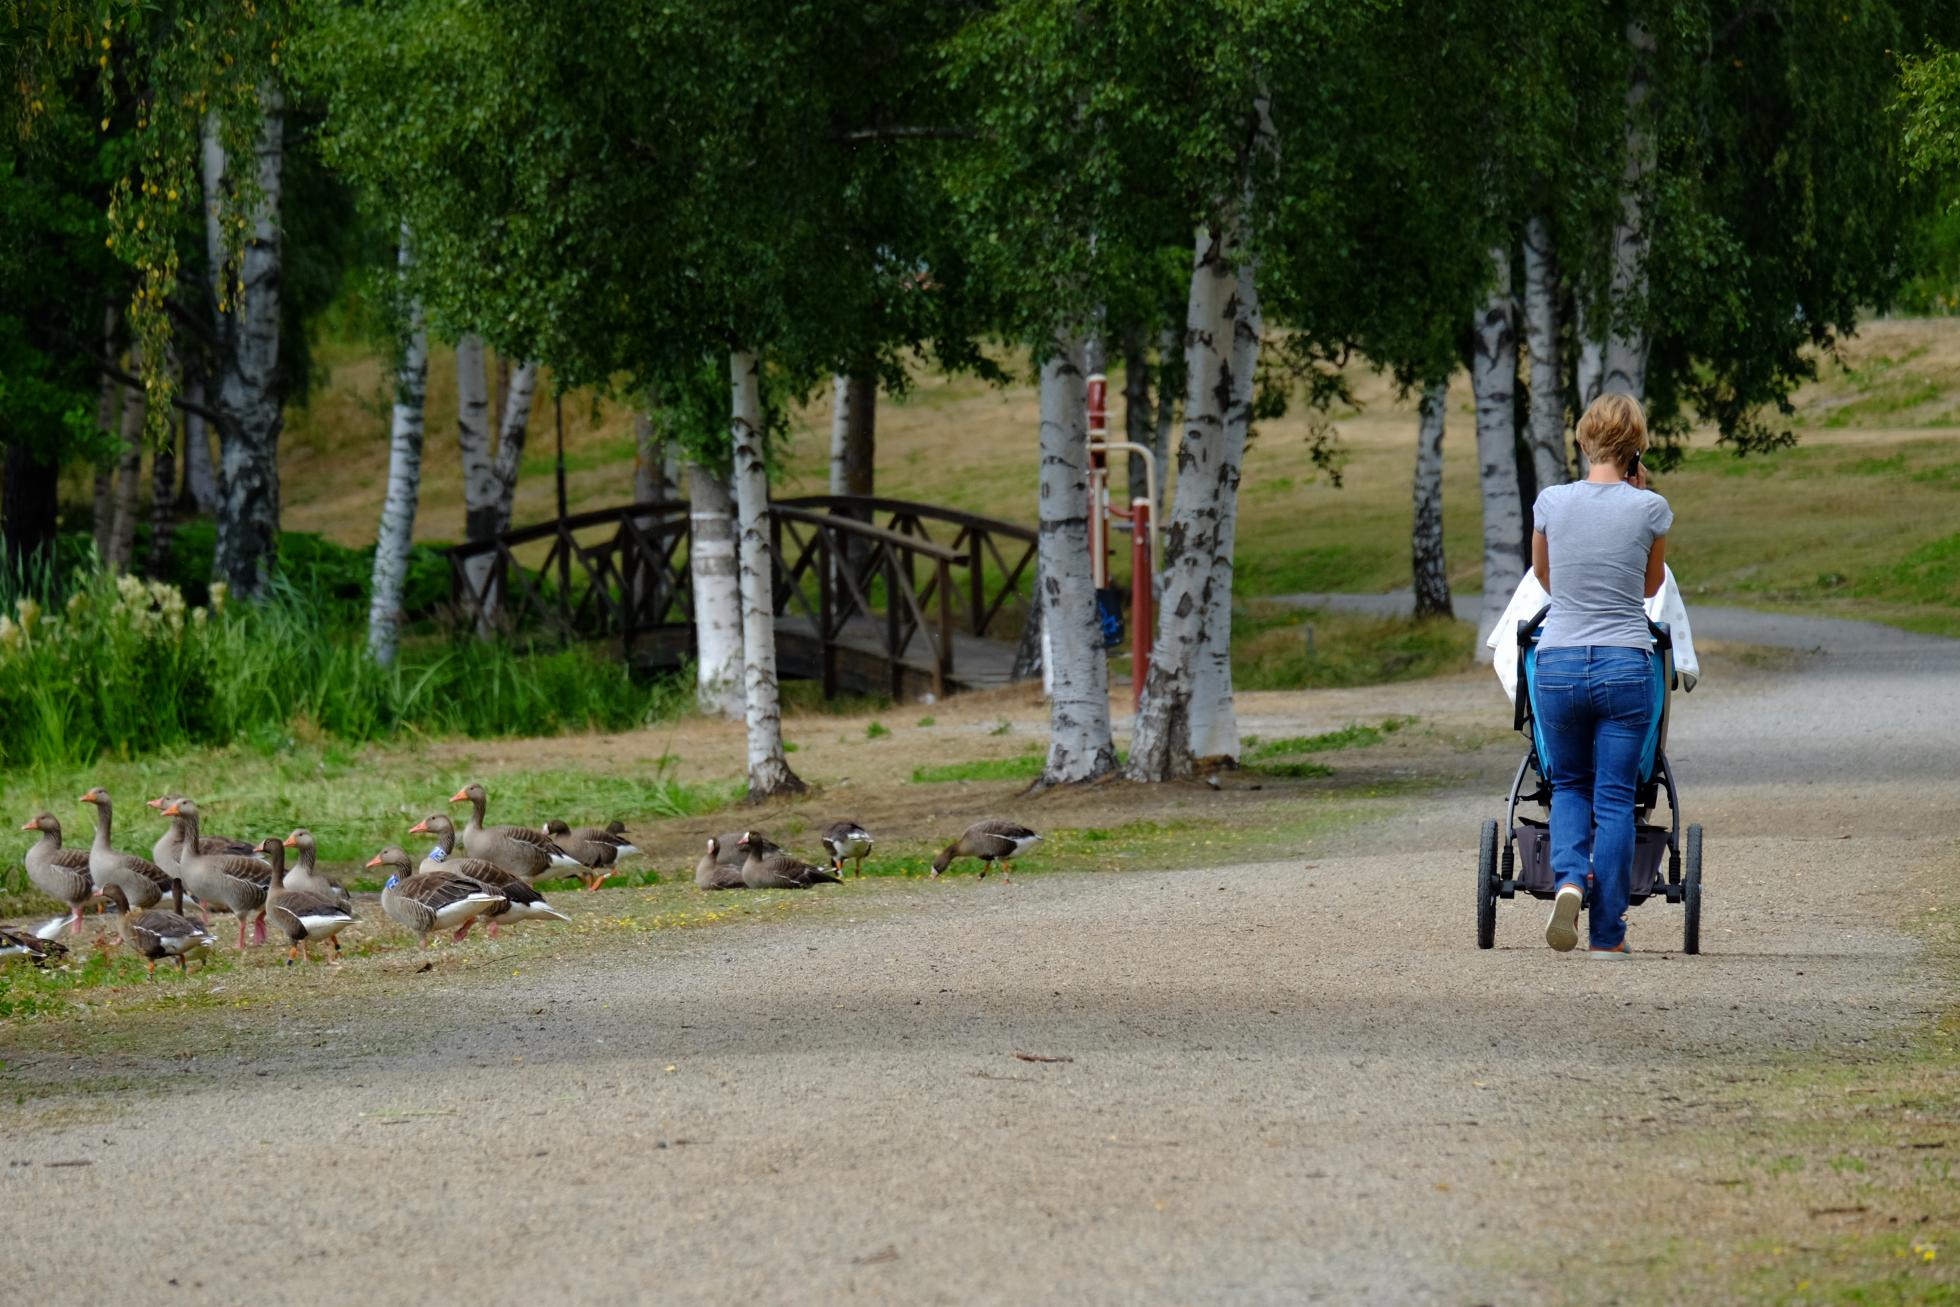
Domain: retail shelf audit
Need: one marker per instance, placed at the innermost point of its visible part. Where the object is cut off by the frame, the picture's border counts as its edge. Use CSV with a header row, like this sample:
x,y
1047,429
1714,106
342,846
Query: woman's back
x,y
1599,536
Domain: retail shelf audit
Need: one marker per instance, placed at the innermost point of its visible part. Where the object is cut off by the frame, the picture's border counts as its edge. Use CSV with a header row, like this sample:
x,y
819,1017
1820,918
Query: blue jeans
x,y
1594,705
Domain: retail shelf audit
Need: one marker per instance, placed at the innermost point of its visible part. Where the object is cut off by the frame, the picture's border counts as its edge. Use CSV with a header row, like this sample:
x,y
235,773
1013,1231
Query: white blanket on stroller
x,y
1665,606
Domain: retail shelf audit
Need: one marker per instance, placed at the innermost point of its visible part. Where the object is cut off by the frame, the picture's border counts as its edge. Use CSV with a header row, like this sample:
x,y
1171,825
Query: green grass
x,y
1024,768
1356,735
1275,647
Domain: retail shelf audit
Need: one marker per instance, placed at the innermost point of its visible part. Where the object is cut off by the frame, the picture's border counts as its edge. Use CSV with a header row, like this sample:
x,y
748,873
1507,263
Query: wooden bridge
x,y
872,595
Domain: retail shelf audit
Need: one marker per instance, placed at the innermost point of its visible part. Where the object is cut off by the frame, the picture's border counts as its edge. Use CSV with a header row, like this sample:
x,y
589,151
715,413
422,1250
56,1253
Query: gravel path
x,y
1269,1083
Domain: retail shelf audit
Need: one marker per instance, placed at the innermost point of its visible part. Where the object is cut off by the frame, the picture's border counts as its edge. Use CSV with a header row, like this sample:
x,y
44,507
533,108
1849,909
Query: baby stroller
x,y
1524,859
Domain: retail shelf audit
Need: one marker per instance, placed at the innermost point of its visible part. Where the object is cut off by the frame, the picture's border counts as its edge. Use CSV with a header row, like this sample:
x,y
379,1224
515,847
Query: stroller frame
x,y
1517,856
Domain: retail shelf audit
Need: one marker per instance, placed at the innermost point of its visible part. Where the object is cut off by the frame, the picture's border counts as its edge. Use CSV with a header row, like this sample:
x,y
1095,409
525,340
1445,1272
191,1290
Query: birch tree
x,y
1547,424
1624,360
1493,380
513,426
124,498
853,427
769,770
479,470
405,428
1432,574
247,393
713,571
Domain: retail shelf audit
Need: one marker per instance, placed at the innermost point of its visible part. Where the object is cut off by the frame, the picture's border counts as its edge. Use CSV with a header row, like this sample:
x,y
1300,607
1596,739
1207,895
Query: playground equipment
x,y
1103,516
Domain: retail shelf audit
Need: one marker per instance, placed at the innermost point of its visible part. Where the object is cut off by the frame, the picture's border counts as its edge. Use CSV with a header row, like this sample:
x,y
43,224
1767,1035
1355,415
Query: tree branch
x,y
134,382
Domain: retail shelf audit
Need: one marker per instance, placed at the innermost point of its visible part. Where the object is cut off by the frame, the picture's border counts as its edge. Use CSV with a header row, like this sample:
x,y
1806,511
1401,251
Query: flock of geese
x,y
493,877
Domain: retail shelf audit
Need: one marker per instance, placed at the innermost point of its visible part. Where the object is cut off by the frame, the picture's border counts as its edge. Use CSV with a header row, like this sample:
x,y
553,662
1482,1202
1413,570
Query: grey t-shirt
x,y
1598,536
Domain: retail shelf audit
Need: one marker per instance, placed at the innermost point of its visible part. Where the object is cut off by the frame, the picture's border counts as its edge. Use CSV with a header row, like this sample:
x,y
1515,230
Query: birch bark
x,y
1168,349
652,481
247,398
1432,575
1493,379
479,471
1214,715
1546,433
200,469
1080,747
769,770
717,596
129,471
1627,336
1160,747
405,431
513,426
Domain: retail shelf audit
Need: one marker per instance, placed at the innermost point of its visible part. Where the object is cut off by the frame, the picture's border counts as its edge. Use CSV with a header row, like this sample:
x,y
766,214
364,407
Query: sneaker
x,y
1621,952
1562,931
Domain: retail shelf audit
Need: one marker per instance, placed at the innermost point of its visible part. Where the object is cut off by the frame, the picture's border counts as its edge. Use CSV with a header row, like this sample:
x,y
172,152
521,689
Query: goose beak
x,y
461,796
153,803
375,861
32,825
422,827
173,811
290,842
87,798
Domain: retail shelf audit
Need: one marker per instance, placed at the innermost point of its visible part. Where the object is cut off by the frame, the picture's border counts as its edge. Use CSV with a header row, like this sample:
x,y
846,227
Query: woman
x,y
1597,548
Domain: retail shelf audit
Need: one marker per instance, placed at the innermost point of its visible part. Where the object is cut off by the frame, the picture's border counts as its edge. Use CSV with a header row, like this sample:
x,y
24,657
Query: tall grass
x,y
127,667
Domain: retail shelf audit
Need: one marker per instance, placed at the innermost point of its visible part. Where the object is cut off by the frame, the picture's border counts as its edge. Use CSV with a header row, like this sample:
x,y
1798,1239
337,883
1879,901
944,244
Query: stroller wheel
x,y
1487,885
1691,894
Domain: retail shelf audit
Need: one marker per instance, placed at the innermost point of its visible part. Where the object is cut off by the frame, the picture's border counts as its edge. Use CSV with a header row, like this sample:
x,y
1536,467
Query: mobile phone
x,y
1633,467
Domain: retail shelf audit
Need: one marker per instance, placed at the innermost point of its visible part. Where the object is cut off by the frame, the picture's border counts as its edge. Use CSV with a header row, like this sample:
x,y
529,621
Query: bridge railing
x,y
890,590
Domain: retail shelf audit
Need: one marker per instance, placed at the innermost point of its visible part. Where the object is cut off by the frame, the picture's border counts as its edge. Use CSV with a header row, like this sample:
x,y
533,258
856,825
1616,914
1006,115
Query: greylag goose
x,y
26,944
847,841
990,841
157,933
768,866
721,866
143,882
597,849
234,880
529,853
169,850
521,901
305,874
428,901
301,915
59,873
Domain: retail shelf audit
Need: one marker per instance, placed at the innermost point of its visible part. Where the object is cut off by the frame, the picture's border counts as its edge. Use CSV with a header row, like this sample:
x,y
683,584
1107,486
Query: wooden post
x,y
942,663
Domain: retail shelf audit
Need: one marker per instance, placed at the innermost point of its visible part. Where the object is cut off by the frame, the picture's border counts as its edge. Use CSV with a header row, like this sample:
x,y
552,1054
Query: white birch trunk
x,y
1590,368
1214,714
200,469
840,429
1432,573
717,595
127,484
1160,747
1080,747
769,770
1627,336
1493,379
652,457
1168,349
479,471
513,426
248,397
1546,434
404,482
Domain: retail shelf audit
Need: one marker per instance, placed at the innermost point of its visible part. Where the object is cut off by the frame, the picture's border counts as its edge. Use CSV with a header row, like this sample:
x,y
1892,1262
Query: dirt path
x,y
1274,1082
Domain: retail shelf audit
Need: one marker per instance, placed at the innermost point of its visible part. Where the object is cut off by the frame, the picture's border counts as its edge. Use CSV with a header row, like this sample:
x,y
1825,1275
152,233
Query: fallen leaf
x,y
1037,1057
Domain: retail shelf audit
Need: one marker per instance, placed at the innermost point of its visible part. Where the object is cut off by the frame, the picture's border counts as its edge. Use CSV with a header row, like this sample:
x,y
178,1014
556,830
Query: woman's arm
x,y
1656,565
1541,560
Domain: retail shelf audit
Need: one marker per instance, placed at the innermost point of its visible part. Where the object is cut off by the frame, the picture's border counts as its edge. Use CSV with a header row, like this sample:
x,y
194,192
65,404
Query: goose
x,y
169,851
305,874
596,849
990,840
428,901
157,933
300,914
769,867
27,944
529,853
847,840
234,880
59,873
721,866
143,882
521,901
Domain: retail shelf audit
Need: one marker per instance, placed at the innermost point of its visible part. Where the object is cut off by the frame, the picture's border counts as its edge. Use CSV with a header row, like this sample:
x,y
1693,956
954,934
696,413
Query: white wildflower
x,y
9,633
30,613
219,593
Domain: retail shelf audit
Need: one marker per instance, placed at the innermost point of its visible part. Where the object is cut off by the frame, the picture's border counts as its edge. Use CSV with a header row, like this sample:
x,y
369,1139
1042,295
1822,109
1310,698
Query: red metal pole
x,y
1141,621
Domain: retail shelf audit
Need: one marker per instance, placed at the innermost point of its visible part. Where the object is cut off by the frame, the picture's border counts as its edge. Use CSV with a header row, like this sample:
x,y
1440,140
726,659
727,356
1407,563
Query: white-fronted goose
x,y
157,933
305,874
768,866
301,915
428,901
59,873
529,853
990,841
168,851
721,866
143,882
26,944
521,901
234,880
847,841
596,850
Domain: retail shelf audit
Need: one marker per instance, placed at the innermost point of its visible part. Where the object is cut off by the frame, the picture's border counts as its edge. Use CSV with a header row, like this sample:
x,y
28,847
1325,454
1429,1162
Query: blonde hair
x,y
1613,430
